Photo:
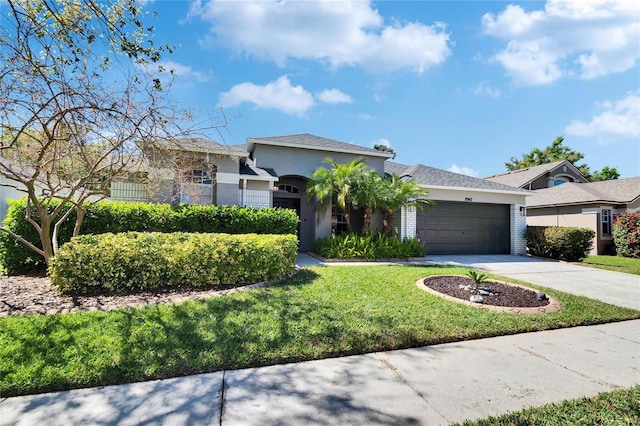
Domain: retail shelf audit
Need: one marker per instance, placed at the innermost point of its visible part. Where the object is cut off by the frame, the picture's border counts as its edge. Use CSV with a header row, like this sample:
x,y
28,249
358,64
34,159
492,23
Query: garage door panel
x,y
465,228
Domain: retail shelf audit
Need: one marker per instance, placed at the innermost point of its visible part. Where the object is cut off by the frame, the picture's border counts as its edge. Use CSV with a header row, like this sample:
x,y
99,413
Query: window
x,y
291,189
559,181
338,222
605,219
198,176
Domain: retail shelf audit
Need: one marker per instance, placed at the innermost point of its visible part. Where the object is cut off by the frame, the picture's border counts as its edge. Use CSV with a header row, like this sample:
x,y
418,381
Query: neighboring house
x,y
588,205
542,176
471,215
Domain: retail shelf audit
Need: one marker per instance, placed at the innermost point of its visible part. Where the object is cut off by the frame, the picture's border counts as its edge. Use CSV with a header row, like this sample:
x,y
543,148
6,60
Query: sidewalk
x,y
422,386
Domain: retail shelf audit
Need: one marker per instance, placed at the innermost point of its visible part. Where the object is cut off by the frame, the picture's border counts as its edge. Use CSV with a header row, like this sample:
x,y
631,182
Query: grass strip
x,y
620,407
614,263
318,313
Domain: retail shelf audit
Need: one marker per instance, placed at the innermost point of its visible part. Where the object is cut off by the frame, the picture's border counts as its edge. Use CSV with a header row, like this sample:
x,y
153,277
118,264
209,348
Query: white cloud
x,y
180,70
338,33
279,95
334,96
619,119
381,141
365,116
483,89
587,38
463,170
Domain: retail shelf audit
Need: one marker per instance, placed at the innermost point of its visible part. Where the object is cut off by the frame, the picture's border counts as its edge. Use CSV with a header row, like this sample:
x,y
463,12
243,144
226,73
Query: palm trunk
x,y
388,221
366,225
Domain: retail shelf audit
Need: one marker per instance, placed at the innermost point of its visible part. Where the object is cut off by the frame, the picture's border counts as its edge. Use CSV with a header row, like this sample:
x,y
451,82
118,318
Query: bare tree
x,y
78,107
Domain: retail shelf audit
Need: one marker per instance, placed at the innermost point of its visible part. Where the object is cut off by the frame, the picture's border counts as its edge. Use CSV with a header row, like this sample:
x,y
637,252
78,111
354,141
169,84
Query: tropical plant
x,y
477,277
396,193
366,195
335,183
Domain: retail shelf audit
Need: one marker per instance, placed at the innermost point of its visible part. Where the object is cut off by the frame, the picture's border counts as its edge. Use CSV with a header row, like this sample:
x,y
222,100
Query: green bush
x,y
140,261
556,242
120,216
371,246
626,234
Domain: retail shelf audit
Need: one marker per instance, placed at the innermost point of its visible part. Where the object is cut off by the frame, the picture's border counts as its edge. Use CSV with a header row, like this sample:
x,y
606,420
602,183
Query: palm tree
x,y
338,182
366,195
396,193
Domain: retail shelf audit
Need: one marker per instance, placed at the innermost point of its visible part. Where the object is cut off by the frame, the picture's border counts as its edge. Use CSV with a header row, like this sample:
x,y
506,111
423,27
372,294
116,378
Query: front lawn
x,y
318,313
614,263
620,407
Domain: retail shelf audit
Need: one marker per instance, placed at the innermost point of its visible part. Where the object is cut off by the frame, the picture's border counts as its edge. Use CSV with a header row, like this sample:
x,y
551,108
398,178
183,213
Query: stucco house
x,y
587,205
470,215
562,196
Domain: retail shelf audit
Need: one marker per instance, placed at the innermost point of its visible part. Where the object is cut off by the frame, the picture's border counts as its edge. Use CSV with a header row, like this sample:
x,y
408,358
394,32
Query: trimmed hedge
x,y
557,242
626,234
140,261
120,216
371,246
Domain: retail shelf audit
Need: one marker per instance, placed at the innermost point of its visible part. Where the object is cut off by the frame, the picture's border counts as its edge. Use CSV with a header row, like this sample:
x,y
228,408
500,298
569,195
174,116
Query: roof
x,y
250,169
522,177
204,146
617,191
431,177
308,141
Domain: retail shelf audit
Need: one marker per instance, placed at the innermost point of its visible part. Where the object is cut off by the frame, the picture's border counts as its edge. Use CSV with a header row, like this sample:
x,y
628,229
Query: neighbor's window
x,y
198,176
606,221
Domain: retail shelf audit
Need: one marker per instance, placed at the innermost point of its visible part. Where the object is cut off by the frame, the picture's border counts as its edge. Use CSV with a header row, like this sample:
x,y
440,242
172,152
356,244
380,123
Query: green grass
x,y
620,407
318,313
614,263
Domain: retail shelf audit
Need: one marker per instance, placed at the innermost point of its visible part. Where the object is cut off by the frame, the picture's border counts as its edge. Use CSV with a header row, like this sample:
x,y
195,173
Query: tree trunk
x,y
45,239
366,225
388,222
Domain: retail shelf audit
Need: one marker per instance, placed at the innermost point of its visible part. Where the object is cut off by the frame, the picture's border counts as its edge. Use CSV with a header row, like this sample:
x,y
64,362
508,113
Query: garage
x,y
450,227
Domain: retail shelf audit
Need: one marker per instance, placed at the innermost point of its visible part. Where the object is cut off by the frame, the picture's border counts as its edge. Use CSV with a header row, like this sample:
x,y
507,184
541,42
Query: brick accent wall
x,y
518,226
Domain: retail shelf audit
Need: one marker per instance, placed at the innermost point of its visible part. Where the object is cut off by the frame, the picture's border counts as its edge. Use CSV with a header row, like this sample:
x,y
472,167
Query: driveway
x,y
611,287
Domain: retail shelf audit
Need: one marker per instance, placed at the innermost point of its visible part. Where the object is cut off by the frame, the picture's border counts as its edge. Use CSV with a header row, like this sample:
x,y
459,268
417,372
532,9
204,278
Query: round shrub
x,y
626,234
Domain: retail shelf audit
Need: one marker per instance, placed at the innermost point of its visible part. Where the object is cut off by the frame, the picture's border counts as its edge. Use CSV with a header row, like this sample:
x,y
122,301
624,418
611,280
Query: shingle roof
x,y
432,177
617,191
204,145
522,177
308,141
250,169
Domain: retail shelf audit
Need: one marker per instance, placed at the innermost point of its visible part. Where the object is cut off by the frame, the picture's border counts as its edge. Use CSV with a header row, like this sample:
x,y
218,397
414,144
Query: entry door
x,y
291,204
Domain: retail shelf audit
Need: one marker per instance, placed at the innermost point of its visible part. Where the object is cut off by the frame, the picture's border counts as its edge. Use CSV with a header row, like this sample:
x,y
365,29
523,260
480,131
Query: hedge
x,y
371,246
121,216
626,234
144,261
557,242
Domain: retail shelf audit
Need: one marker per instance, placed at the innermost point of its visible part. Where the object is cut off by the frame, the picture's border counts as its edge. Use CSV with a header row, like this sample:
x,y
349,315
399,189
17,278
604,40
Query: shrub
x,y
555,242
371,246
120,216
143,261
626,234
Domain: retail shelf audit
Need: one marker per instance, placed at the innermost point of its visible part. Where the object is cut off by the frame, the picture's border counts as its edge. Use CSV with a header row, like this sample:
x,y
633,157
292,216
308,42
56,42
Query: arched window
x,y
559,181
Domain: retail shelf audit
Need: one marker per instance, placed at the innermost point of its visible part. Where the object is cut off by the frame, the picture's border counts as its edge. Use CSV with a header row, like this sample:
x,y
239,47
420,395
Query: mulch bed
x,y
505,295
22,295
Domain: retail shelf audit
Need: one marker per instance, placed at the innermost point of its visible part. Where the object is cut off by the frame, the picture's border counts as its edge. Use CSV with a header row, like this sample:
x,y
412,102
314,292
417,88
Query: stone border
x,y
553,306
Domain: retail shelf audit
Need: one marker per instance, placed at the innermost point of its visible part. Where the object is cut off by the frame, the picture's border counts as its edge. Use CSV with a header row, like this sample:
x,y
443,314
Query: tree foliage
x,y
385,148
78,105
558,152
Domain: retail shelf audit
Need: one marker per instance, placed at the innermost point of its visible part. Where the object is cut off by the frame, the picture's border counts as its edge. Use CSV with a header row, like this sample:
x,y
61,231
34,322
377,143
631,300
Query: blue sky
x,y
459,85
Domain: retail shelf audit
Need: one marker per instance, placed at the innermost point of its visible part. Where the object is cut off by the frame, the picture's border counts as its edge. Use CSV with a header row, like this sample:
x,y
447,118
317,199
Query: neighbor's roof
x,y
307,141
617,191
522,177
430,177
204,146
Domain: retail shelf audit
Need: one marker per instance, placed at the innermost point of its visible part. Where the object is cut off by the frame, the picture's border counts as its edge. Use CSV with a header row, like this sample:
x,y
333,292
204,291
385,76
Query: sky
x,y
458,85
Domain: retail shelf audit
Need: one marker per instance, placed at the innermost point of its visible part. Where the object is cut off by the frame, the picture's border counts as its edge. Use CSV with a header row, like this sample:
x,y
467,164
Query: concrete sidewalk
x,y
423,386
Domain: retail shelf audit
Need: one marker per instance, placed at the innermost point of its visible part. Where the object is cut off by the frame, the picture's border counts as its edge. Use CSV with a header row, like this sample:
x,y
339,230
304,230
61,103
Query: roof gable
x,y
308,141
523,177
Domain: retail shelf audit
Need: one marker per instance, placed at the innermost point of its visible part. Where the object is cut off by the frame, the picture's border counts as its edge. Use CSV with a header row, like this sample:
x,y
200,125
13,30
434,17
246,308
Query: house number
x,y
468,199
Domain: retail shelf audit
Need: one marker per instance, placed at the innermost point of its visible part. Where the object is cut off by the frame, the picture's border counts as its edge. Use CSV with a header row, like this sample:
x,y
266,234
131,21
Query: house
x,y
470,215
591,205
562,196
542,176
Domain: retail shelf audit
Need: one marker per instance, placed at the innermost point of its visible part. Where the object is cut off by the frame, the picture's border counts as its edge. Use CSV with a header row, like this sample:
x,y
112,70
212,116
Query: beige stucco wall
x,y
570,216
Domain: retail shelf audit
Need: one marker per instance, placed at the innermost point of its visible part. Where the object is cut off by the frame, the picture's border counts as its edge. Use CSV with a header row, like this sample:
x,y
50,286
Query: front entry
x,y
290,195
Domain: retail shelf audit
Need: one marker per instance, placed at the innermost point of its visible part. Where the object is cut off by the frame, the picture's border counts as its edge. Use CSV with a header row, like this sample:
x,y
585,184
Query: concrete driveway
x,y
611,287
